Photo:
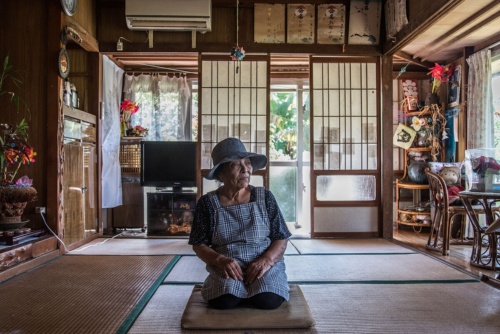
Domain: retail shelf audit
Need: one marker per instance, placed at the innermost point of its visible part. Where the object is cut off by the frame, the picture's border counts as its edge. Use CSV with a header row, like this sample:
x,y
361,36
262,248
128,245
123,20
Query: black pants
x,y
264,300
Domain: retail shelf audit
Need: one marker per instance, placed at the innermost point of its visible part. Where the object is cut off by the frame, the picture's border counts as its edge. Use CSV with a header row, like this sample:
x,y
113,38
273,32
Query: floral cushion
x,y
436,167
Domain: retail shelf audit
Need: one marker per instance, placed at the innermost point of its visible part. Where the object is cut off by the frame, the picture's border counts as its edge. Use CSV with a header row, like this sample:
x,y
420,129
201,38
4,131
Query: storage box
x,y
482,170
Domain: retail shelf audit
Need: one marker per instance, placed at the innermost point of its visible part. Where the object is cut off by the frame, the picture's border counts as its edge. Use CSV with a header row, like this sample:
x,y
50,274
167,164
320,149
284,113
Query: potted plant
x,y
14,152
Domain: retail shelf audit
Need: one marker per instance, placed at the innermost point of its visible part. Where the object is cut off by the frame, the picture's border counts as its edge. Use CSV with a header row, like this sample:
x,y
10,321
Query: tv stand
x,y
170,212
176,190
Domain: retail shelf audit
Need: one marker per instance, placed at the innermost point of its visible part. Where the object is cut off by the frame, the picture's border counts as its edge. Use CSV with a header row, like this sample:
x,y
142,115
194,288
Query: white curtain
x,y
480,123
112,79
164,102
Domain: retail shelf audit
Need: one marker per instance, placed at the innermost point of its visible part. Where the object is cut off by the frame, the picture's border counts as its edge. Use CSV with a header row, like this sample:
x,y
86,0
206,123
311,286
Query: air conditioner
x,y
172,15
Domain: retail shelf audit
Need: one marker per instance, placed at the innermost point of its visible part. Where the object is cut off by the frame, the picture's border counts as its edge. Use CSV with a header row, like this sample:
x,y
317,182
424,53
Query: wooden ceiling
x,y
469,24
465,24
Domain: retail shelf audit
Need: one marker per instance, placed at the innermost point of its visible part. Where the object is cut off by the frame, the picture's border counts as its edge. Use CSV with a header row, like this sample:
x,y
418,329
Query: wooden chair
x,y
442,214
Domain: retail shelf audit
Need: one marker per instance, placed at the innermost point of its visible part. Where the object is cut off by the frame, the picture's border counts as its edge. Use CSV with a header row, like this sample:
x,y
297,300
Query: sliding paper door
x,y
345,147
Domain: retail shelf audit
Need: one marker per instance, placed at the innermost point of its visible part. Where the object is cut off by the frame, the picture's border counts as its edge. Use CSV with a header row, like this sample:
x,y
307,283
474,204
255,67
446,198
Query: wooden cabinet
x,y
80,176
131,213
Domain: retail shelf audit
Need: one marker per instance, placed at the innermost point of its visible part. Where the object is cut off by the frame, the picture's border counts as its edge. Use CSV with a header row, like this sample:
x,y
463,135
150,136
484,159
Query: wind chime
x,y
237,53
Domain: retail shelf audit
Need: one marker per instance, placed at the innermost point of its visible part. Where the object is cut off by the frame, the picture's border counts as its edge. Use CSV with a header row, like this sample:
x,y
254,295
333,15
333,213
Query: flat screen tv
x,y
168,164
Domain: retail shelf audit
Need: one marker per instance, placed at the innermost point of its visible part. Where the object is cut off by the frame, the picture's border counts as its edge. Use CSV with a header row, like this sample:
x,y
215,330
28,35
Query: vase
x,y
13,201
123,129
432,98
416,172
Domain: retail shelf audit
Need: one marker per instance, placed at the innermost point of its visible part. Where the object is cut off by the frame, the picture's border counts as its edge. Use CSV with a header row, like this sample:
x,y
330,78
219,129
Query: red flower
x,y
440,74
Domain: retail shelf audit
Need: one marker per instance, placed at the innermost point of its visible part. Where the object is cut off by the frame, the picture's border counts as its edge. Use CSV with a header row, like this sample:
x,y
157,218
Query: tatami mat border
x,y
446,281
129,321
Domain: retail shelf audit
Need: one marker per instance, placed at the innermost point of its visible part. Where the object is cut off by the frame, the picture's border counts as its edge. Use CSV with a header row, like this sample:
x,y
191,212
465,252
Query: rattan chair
x,y
442,215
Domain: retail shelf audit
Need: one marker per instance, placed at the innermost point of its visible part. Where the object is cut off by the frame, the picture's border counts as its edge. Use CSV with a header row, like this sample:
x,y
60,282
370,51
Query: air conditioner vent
x,y
173,15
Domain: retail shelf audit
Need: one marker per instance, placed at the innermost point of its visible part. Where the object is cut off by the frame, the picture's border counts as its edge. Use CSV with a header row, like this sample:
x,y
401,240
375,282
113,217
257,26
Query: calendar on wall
x,y
269,23
331,24
301,21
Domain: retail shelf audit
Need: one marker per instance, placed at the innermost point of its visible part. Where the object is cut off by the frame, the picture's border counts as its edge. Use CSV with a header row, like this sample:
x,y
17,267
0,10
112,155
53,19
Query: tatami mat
x,y
144,246
79,294
344,246
358,308
340,268
122,246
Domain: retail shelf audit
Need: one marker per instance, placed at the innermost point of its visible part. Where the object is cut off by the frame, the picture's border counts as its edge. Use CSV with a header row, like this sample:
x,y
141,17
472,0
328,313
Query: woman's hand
x,y
229,267
257,269
262,264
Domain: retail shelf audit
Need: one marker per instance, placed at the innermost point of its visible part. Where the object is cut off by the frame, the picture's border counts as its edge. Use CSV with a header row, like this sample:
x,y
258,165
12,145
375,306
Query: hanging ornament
x,y
237,52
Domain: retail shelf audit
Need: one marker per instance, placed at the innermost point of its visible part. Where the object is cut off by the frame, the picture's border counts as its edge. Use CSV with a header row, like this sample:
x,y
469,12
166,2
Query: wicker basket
x,y
130,157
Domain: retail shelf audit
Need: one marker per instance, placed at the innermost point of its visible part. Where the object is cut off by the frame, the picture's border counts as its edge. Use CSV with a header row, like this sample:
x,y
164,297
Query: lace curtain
x,y
164,105
480,122
112,79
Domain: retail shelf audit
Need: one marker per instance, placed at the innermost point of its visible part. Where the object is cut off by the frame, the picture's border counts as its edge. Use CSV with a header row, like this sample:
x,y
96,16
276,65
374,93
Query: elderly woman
x,y
240,233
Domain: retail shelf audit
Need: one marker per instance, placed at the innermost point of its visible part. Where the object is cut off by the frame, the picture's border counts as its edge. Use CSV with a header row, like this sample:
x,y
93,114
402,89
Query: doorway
x,y
289,157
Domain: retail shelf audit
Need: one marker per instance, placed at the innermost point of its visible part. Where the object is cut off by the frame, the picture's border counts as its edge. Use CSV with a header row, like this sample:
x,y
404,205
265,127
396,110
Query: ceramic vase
x,y
416,172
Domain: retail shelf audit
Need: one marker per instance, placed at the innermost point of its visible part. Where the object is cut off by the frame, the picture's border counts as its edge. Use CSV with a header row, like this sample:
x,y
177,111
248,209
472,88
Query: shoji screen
x,y
234,103
345,153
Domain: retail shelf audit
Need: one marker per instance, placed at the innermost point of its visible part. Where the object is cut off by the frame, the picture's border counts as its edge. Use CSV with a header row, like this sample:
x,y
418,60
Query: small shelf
x,y
170,213
417,215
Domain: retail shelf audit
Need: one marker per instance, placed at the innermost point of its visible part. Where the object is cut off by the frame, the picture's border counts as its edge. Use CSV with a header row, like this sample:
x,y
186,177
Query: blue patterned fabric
x,y
242,232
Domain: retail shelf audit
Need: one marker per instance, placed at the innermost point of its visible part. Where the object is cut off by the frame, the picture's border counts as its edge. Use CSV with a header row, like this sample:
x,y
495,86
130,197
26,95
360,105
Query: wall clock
x,y
69,6
63,63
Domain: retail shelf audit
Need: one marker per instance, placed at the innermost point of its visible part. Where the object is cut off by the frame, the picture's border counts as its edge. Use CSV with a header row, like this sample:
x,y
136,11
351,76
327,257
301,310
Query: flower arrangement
x,y
15,152
127,109
138,131
439,75
14,148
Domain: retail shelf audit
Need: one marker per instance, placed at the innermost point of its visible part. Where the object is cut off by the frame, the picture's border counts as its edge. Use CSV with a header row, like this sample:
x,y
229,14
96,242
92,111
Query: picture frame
x,y
454,85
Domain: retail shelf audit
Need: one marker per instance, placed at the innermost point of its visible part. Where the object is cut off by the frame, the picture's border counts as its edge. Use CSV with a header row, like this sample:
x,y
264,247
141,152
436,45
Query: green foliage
x,y
12,80
283,128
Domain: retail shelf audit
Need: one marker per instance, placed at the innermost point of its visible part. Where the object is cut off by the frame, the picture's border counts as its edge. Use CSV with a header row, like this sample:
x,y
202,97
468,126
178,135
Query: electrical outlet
x,y
40,209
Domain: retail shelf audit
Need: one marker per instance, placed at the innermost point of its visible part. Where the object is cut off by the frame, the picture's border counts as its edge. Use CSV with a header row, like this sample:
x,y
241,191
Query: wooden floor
x,y
459,254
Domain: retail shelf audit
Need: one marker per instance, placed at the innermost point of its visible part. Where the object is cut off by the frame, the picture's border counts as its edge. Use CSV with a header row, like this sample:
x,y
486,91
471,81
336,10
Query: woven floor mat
x,y
327,268
348,246
80,294
355,308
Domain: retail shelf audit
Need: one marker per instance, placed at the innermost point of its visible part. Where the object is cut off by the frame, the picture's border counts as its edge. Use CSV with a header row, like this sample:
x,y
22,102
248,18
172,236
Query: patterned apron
x,y
242,233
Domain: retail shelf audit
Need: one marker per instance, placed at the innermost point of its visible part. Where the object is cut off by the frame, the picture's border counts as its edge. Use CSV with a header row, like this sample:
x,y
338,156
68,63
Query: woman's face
x,y
237,173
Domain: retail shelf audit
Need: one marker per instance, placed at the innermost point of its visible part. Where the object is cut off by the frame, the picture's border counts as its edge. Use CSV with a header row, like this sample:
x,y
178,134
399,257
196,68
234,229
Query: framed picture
x,y
331,24
269,23
300,24
364,22
454,87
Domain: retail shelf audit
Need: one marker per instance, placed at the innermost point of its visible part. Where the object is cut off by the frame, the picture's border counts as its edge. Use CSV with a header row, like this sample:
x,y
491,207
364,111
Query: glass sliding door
x,y
289,155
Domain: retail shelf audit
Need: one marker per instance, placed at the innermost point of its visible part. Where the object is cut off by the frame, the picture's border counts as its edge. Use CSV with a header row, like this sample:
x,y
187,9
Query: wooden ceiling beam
x,y
443,38
463,35
409,58
420,23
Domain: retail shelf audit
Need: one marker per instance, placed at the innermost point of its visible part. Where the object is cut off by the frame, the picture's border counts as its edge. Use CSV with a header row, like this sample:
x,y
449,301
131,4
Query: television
x,y
168,164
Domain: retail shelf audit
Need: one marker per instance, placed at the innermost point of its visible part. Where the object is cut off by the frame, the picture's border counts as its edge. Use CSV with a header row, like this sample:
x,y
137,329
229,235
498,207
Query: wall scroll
x,y
269,23
300,29
331,24
364,22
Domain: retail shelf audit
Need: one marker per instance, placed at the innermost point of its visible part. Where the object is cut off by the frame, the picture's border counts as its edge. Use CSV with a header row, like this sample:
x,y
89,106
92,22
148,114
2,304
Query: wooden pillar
x,y
387,186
